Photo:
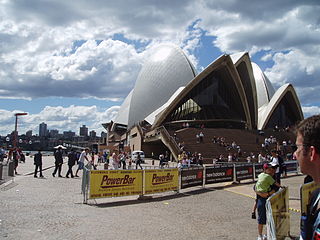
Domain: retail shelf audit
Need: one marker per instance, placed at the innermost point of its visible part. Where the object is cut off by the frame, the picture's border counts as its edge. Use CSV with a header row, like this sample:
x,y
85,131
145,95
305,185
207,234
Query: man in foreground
x,y
308,155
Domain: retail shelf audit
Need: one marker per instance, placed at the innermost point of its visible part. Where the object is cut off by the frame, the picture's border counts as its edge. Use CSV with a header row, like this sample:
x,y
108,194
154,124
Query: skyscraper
x,y
84,131
42,129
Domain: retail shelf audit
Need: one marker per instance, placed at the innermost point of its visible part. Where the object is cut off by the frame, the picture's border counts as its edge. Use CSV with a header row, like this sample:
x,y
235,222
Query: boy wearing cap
x,y
264,189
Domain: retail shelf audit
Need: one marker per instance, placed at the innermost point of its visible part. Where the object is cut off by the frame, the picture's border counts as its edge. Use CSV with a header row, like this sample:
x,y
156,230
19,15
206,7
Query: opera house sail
x,y
232,92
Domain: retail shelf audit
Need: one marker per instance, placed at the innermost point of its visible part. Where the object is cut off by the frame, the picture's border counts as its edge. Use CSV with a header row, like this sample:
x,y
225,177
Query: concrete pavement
x,y
51,208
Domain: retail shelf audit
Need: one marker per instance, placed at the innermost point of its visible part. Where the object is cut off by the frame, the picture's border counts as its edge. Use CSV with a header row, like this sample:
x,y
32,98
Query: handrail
x,y
171,141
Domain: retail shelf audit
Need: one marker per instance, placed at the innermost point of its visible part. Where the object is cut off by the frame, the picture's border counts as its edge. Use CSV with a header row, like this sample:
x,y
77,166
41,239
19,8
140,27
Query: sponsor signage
x,y
244,172
219,174
161,180
305,194
291,166
279,210
258,168
191,177
115,183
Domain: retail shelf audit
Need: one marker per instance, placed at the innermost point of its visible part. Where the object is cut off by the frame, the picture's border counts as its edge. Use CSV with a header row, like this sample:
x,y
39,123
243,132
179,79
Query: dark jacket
x,y
58,157
72,158
38,159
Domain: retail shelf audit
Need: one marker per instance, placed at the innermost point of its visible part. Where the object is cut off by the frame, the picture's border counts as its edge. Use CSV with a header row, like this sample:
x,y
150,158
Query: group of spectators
x,y
188,159
307,151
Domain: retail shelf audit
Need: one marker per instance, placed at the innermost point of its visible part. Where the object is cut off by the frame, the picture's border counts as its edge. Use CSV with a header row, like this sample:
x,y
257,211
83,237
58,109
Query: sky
x,y
72,63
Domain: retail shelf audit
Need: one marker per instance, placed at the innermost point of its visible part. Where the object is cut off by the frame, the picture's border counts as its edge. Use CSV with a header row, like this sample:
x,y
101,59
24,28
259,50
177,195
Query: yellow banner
x,y
115,183
305,194
161,180
280,212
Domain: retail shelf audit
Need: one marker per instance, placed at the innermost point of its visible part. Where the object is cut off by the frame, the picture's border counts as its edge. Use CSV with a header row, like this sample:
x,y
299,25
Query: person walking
x,y
72,158
83,156
15,157
138,161
58,162
38,164
308,155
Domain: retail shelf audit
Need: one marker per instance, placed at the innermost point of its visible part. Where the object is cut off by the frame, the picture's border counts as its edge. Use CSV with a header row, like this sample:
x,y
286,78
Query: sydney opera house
x,y
231,93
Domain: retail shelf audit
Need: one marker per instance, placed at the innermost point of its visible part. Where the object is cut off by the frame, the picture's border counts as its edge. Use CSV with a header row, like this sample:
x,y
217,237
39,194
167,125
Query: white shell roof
x,y
166,71
123,114
265,90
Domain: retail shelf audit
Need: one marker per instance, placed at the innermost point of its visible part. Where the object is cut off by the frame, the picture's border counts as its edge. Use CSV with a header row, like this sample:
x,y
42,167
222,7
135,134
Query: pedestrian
x,y
115,161
72,159
38,164
201,135
161,160
308,155
138,161
83,156
122,160
275,160
15,157
198,138
58,162
264,189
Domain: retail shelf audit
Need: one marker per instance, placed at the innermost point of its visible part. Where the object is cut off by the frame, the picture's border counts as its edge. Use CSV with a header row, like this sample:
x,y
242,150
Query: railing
x,y
117,183
169,141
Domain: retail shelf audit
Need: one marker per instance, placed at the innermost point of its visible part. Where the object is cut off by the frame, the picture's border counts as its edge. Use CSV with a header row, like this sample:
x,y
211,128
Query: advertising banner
x,y
258,168
244,172
115,183
191,177
305,194
291,166
278,207
161,180
219,174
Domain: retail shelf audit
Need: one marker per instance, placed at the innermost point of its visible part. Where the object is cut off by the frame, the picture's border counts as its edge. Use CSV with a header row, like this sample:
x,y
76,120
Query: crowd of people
x,y
307,152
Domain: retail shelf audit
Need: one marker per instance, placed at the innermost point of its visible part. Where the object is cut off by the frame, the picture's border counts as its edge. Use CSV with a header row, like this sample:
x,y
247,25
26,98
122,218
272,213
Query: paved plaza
x,y
52,208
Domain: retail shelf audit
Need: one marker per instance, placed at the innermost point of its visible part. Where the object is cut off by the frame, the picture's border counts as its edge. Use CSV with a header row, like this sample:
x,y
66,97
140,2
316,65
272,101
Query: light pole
x,y
16,127
7,139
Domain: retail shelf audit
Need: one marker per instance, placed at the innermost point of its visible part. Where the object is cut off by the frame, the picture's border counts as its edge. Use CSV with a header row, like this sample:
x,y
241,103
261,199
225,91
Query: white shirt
x,y
83,156
275,161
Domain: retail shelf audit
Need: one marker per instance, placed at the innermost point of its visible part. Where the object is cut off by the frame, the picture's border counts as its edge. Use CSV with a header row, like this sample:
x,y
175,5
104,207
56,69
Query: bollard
x,y
11,169
1,167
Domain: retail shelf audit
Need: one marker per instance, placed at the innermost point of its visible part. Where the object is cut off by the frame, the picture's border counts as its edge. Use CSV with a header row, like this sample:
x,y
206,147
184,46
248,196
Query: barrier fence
x,y
118,183
6,171
278,216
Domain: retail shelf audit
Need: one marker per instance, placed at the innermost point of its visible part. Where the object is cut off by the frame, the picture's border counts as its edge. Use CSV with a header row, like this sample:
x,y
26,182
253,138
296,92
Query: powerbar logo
x,y
156,180
108,182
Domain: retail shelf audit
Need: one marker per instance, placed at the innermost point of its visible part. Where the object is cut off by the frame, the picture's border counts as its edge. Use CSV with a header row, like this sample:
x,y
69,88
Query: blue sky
x,y
70,64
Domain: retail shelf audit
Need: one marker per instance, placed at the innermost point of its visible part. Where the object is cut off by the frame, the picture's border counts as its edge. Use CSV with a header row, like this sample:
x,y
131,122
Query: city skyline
x,y
73,64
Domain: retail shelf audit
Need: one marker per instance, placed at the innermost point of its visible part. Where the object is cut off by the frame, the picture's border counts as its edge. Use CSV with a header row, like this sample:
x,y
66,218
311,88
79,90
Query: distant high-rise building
x,y
53,133
42,129
29,133
84,131
93,134
69,134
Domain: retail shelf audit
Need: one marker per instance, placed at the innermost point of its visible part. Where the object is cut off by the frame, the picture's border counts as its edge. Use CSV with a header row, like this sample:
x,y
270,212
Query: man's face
x,y
303,156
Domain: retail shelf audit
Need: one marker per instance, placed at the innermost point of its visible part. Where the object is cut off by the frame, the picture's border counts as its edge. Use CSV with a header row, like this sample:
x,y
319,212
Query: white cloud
x,y
309,111
60,118
66,49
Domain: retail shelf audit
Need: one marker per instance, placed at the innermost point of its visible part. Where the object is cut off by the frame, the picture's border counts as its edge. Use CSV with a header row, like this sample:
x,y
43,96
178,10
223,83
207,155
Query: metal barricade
x,y
85,182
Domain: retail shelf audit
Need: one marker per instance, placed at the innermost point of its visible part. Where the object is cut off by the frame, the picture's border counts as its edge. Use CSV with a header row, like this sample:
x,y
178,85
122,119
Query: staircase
x,y
249,141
